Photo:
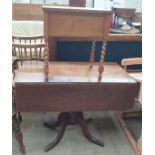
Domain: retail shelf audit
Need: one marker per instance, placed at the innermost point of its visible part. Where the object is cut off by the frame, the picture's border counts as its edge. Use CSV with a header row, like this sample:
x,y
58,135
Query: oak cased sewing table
x,y
73,88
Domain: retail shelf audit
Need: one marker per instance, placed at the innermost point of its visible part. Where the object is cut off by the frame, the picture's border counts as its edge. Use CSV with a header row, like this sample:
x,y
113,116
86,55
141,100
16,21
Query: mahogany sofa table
x,y
73,88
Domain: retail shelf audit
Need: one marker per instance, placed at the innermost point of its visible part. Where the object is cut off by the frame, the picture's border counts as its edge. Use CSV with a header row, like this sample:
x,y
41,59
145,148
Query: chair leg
x,y
19,138
131,140
18,134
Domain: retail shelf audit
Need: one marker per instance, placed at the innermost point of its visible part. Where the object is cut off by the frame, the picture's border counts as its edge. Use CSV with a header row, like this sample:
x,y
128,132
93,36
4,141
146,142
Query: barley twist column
x,y
18,134
15,121
101,66
46,65
92,54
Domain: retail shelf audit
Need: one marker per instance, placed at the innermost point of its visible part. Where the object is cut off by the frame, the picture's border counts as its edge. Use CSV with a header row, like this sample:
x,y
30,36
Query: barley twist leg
x,y
92,54
101,66
18,134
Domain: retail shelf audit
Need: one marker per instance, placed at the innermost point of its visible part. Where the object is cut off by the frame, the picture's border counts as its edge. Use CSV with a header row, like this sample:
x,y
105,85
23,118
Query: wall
x,y
116,51
107,4
21,11
26,12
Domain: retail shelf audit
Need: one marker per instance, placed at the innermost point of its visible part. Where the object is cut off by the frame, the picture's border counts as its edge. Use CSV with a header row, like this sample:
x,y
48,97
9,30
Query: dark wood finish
x,y
86,132
131,140
60,97
66,80
16,117
70,118
79,3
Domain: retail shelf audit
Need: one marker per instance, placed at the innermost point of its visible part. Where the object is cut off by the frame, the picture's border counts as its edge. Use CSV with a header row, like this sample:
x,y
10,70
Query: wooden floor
x,y
104,126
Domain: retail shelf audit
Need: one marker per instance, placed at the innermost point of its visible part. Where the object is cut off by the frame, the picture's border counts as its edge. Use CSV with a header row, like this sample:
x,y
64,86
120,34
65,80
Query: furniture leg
x,y
101,66
87,134
46,59
20,117
70,118
92,54
59,136
51,126
55,125
18,134
89,120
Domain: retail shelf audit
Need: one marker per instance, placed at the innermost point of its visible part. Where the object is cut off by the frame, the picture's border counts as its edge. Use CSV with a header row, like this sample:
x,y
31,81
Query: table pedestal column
x,y
70,118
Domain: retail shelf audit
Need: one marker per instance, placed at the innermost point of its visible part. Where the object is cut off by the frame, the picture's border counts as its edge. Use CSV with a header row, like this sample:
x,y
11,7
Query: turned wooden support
x,y
18,134
92,54
46,65
16,119
101,66
70,118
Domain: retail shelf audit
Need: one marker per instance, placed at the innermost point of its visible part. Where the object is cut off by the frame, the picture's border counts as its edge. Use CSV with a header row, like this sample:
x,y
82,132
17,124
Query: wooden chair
x,y
28,48
31,50
16,129
137,75
131,61
134,112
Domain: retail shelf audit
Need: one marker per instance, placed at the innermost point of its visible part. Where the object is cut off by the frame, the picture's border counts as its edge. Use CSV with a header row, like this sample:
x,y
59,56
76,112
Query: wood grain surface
x,y
74,87
74,22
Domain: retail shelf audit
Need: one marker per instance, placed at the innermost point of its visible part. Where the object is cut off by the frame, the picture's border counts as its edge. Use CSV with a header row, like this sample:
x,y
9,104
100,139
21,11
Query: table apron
x,y
72,97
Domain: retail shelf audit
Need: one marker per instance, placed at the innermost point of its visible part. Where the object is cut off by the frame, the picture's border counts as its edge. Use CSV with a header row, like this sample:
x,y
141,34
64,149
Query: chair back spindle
x,y
31,49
